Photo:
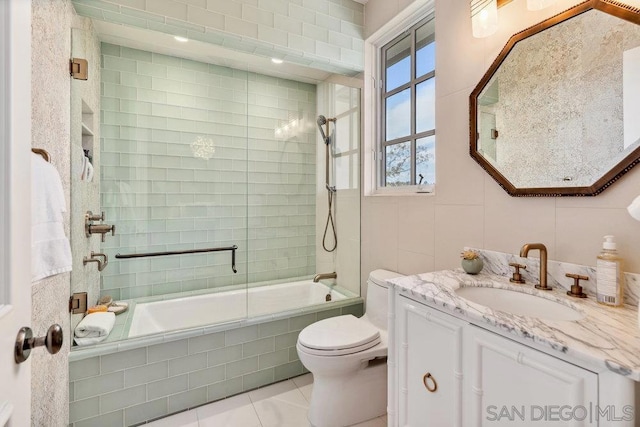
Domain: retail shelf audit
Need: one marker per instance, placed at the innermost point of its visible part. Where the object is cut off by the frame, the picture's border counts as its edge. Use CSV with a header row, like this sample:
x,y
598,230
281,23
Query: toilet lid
x,y
340,333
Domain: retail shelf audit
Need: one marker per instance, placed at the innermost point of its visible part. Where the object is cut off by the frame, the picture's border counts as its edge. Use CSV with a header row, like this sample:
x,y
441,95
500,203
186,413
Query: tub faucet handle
x,y
90,216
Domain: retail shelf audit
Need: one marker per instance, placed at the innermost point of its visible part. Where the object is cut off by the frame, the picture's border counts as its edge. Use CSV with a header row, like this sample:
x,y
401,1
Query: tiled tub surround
x,y
144,379
606,338
323,34
166,190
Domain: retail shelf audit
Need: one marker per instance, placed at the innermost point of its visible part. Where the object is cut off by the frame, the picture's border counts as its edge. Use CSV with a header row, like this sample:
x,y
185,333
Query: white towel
x,y
89,341
83,166
95,327
89,176
50,248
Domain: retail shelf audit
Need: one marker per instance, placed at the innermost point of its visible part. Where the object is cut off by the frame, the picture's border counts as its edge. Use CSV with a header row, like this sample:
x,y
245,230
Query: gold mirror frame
x,y
611,7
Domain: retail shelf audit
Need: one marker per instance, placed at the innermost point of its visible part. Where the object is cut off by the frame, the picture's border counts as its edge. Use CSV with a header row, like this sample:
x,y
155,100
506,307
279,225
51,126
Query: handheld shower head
x,y
321,121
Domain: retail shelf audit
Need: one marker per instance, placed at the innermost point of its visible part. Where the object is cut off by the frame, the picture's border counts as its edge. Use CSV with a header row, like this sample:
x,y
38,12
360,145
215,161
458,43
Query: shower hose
x,y
330,191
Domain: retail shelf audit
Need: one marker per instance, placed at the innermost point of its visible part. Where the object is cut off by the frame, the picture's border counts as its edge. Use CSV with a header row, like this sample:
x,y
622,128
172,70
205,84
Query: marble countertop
x,y
607,337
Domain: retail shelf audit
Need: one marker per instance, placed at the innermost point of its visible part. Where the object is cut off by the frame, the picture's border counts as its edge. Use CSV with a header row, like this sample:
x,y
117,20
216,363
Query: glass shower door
x,y
281,184
173,176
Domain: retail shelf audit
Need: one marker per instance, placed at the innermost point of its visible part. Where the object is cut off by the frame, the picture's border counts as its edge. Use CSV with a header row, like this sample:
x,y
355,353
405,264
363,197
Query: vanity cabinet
x,y
511,384
449,372
430,366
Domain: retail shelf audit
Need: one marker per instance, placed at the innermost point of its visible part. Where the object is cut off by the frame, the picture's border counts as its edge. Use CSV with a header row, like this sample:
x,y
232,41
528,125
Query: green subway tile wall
x,y
197,155
141,384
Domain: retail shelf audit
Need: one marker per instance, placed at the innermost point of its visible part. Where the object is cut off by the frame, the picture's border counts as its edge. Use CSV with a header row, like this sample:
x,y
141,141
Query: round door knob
x,y
25,342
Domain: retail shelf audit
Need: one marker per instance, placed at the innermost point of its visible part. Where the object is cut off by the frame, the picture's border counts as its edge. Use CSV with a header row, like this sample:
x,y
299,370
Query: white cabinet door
x,y
15,216
429,366
508,383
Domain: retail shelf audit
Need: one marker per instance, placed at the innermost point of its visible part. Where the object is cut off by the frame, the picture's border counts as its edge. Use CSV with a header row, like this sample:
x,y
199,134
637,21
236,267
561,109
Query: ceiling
x,y
210,53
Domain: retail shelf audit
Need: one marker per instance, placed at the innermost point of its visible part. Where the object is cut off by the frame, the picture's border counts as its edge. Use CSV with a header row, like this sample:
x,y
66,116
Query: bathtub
x,y
207,309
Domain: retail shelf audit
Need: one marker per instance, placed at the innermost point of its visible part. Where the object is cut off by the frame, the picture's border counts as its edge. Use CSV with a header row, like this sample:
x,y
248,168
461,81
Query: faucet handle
x,y
517,277
90,216
576,289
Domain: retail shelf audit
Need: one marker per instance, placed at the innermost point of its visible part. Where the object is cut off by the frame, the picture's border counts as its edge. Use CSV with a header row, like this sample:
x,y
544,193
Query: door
x,y
15,227
511,384
430,366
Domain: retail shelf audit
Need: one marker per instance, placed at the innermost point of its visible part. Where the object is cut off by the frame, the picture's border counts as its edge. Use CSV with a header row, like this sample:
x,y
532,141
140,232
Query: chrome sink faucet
x,y
543,262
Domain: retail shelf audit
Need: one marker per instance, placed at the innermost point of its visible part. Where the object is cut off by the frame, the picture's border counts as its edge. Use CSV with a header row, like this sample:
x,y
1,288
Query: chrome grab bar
x,y
186,251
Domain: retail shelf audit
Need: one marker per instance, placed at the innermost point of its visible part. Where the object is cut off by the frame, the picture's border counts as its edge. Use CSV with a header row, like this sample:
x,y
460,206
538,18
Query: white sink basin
x,y
518,303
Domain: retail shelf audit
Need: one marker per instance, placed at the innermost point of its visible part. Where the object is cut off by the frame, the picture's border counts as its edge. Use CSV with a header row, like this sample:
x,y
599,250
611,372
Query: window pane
x,y
425,49
426,105
426,160
398,164
398,64
398,115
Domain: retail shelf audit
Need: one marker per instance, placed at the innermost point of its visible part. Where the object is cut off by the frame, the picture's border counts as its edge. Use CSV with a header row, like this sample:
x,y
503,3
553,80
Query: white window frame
x,y
407,18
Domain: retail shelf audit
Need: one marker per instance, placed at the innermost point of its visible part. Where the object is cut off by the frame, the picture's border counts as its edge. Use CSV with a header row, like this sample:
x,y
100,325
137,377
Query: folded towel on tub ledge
x,y
94,328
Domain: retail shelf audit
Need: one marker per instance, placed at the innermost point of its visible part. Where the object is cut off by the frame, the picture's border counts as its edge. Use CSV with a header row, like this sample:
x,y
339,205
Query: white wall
x,y
419,234
379,12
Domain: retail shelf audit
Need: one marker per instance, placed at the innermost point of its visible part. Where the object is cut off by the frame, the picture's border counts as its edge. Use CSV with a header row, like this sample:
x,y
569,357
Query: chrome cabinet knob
x,y
25,342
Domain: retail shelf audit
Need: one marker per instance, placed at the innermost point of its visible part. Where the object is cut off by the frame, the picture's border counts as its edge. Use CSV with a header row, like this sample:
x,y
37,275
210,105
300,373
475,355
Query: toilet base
x,y
347,399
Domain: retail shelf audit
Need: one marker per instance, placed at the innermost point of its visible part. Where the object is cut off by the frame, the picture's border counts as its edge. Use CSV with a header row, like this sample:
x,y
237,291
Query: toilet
x,y
347,357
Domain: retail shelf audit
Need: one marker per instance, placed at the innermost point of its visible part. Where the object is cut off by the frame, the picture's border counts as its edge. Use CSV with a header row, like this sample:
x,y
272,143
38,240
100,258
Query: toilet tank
x,y
378,297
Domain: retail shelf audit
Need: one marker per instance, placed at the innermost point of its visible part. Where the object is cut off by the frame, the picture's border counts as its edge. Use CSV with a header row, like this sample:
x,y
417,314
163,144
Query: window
x,y
407,108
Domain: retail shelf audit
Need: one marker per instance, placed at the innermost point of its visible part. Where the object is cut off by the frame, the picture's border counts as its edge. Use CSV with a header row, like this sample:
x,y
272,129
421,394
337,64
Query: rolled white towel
x,y
89,341
96,325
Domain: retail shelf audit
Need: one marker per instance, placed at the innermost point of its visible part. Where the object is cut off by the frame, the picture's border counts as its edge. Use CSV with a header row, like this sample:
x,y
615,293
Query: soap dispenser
x,y
609,277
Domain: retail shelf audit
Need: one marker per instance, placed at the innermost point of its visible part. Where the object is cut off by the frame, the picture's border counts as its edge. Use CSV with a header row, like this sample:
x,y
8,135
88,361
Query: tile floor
x,y
284,404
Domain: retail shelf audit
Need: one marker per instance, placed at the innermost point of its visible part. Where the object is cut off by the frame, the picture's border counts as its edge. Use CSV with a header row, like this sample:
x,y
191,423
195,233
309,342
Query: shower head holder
x,y
322,121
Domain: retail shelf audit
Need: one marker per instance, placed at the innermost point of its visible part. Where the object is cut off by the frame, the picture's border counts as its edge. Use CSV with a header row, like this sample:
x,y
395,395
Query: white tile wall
x,y
257,190
278,28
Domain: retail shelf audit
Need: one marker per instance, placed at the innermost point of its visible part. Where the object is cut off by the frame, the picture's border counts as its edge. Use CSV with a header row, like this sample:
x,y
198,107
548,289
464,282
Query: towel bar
x,y
187,251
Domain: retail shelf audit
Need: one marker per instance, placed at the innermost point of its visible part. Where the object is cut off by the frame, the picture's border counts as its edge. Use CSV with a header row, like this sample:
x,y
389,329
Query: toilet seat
x,y
338,336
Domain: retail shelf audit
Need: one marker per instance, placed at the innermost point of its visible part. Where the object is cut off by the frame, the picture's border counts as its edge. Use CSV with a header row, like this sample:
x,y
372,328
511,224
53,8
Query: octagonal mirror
x,y
558,112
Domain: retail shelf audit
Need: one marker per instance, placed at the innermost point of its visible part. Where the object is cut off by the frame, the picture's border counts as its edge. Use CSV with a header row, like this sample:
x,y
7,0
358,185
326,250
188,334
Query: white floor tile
x,y
376,422
183,419
305,385
232,412
303,380
284,404
280,405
